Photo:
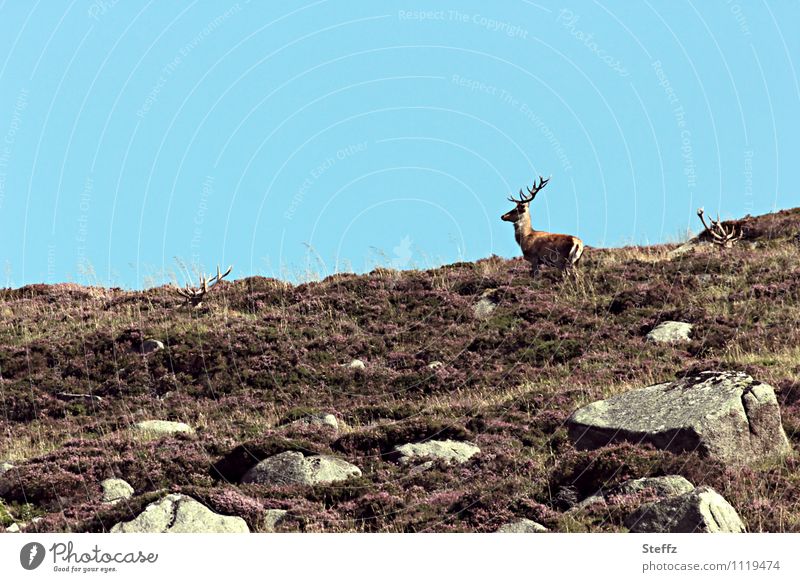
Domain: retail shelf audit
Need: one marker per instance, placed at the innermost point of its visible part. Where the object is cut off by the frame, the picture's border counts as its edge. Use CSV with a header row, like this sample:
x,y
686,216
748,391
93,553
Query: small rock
x,y
293,468
13,528
671,332
357,365
149,346
700,510
320,419
178,513
115,490
722,415
435,365
668,486
5,466
448,451
162,427
522,526
273,518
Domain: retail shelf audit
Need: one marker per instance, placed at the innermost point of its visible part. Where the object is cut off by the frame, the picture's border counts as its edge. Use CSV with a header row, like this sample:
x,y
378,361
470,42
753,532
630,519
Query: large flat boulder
x,y
294,468
178,513
702,510
724,415
671,332
448,451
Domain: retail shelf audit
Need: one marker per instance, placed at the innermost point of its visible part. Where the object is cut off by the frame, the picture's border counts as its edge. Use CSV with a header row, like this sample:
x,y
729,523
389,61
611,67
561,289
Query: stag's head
x,y
521,209
721,236
194,296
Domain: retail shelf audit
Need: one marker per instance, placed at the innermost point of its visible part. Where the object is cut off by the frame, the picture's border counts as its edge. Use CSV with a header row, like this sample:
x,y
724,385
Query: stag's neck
x,y
522,228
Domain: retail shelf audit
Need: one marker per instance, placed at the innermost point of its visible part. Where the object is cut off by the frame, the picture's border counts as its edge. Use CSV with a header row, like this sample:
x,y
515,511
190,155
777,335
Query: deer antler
x,y
721,236
194,295
532,193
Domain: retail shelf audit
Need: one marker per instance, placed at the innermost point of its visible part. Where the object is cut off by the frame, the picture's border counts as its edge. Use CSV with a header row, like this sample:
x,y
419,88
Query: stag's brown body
x,y
546,248
538,247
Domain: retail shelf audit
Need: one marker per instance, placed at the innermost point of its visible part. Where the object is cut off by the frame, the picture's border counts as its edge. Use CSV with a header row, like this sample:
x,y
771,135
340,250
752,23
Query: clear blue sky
x,y
291,138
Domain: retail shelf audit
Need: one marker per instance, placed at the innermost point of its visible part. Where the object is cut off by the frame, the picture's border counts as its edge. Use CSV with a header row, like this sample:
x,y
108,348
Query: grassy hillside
x,y
261,353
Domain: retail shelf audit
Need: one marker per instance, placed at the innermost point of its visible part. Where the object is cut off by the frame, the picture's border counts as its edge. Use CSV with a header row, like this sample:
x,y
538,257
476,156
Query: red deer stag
x,y
194,295
538,247
723,237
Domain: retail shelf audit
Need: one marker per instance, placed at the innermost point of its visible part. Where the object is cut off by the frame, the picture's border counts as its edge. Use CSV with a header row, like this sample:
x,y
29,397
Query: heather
x,y
259,354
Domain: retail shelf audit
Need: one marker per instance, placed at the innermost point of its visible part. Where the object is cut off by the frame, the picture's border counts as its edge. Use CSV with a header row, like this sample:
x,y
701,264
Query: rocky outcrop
x,y
671,332
448,451
293,468
700,510
724,415
177,513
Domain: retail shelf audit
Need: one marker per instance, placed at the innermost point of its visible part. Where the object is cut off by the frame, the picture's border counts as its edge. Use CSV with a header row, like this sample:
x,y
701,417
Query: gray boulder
x,y
522,526
448,451
157,428
357,365
663,487
702,510
671,332
115,490
5,466
178,513
293,468
724,415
